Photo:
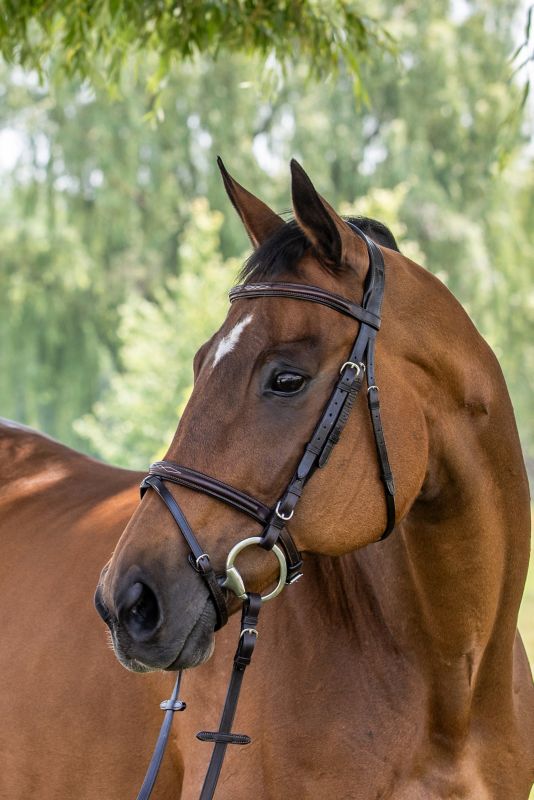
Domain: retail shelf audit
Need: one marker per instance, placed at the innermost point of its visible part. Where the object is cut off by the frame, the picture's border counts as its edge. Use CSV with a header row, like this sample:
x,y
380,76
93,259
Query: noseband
x,y
360,364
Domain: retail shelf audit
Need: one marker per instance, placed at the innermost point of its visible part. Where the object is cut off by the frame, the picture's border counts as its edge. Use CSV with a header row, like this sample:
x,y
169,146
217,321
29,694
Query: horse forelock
x,y
282,251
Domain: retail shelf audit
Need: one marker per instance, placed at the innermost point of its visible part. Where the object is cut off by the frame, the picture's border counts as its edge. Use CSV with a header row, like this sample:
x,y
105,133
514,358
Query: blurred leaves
x,y
97,39
140,408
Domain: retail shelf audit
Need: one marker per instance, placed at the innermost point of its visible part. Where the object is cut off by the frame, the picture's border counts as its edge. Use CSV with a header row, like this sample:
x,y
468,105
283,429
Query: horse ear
x,y
259,220
334,241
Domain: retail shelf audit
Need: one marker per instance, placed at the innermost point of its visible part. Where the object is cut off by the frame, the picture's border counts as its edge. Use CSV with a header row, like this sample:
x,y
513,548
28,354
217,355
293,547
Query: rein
x,y
360,364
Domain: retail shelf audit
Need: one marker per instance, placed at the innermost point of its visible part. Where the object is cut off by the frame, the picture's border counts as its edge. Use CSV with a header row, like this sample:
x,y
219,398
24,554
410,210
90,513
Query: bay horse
x,y
392,669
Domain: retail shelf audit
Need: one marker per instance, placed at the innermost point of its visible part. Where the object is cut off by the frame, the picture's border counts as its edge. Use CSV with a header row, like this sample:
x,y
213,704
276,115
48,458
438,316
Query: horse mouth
x,y
199,642
196,648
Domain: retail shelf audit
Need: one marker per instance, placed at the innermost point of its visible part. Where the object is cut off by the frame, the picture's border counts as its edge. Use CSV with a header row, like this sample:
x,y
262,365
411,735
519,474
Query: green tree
x,y
135,418
94,39
51,355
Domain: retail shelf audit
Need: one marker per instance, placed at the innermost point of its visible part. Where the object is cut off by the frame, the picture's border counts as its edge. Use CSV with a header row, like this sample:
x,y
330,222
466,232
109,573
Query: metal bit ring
x,y
234,581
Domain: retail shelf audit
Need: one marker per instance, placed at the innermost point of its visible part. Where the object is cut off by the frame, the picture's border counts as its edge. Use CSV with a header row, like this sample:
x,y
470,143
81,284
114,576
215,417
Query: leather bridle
x,y
360,364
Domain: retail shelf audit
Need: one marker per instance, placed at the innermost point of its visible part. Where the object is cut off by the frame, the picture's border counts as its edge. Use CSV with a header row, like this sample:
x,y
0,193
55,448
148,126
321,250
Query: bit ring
x,y
234,581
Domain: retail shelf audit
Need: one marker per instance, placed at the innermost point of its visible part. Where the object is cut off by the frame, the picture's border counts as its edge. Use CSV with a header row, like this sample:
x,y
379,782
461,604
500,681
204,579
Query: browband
x,y
301,291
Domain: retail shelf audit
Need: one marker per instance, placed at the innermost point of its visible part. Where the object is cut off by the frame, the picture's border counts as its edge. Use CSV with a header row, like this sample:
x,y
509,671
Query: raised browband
x,y
300,291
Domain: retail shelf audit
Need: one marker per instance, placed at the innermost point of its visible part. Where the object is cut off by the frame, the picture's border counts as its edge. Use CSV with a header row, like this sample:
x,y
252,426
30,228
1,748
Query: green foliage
x,y
95,39
51,352
135,419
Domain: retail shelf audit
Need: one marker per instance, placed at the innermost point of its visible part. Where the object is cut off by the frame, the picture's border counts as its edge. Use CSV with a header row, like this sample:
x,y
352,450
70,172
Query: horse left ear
x,y
259,220
333,240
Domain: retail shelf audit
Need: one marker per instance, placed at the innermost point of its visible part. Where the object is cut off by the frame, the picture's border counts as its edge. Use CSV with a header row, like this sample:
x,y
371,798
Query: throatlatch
x,y
359,365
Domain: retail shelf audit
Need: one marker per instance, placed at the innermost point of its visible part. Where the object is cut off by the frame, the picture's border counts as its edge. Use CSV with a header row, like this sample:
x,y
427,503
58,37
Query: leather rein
x,y
360,364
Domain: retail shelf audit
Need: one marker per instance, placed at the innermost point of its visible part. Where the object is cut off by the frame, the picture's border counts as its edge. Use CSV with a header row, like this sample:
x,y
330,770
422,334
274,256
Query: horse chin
x,y
192,655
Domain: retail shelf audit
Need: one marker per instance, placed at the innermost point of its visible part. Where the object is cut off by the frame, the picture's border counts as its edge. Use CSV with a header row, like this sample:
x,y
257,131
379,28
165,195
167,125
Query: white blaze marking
x,y
228,342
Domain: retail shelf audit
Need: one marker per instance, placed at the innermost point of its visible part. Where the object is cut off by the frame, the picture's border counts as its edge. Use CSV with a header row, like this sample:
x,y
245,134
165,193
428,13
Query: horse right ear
x,y
334,242
259,220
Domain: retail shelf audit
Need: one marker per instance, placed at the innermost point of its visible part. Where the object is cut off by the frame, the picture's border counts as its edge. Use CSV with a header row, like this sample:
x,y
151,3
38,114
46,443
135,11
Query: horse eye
x,y
287,383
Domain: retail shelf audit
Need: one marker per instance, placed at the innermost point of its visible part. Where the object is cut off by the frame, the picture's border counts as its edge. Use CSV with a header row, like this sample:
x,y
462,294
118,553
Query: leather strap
x,y
224,736
170,706
302,291
192,479
322,441
201,559
386,475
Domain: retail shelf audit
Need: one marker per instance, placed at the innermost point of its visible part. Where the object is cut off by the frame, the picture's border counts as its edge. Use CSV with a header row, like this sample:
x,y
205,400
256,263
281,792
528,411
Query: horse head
x,y
261,385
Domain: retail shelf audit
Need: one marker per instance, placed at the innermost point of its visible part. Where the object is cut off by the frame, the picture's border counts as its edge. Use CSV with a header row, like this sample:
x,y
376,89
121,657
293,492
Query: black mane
x,y
284,249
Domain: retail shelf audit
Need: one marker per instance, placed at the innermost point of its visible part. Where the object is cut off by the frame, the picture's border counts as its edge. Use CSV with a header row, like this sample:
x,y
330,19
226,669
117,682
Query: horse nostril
x,y
139,611
101,606
132,596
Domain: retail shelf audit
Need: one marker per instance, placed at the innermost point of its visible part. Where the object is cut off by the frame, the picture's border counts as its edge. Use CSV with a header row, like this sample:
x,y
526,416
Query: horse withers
x,y
392,669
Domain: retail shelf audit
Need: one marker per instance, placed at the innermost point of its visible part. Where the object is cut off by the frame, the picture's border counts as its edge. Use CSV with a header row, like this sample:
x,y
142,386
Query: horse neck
x,y
445,588
466,545
467,536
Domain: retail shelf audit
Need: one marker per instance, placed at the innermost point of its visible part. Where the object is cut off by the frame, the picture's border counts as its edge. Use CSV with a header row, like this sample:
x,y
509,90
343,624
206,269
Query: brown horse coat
x,y
390,671
74,725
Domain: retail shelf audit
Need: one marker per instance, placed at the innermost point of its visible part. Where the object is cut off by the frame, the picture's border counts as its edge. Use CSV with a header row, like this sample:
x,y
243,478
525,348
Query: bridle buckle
x,y
249,630
202,555
281,515
358,367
